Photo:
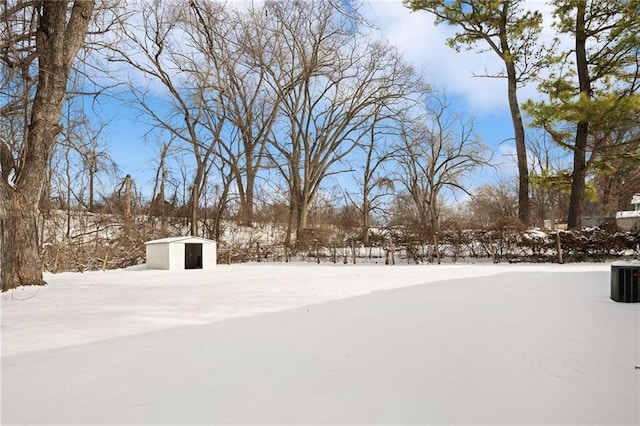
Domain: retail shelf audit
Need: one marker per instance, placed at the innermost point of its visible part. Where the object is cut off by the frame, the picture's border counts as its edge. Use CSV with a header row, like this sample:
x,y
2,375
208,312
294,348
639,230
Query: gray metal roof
x,y
171,240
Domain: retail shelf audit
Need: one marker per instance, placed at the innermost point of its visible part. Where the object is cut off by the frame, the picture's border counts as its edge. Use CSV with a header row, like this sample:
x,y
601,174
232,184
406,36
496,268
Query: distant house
x,y
630,219
178,253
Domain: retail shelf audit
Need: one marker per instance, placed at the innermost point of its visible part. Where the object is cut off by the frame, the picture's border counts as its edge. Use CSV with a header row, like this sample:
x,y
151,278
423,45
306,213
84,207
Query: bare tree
x,y
373,181
492,202
40,41
96,160
550,180
230,43
439,150
158,205
87,159
154,49
217,195
329,77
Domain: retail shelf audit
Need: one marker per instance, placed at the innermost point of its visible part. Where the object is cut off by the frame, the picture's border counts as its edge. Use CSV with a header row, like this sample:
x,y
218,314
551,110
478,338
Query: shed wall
x,y
177,256
157,256
209,256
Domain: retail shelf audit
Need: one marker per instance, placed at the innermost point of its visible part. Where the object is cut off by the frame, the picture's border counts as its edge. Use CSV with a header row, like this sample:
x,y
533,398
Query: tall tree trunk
x,y
435,226
576,201
163,203
92,177
521,147
220,209
251,178
21,262
195,198
302,215
198,180
61,32
127,206
365,219
67,170
524,209
247,200
291,220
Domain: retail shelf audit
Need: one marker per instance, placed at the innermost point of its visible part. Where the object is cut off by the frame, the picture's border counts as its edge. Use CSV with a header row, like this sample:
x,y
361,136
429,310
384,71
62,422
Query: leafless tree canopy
x,y
438,152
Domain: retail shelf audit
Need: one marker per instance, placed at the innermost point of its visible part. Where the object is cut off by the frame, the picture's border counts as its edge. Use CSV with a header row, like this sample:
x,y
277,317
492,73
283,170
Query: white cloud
x,y
424,45
505,159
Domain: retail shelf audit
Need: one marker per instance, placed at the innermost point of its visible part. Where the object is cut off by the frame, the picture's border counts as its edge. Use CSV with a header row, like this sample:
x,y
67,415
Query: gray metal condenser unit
x,y
625,282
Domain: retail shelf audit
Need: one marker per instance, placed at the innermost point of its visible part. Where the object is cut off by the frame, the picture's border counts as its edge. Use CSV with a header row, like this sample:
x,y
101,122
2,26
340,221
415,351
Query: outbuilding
x,y
178,253
629,219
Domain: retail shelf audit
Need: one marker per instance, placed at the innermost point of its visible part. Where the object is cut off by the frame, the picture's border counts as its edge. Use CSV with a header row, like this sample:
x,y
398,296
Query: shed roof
x,y
170,240
635,199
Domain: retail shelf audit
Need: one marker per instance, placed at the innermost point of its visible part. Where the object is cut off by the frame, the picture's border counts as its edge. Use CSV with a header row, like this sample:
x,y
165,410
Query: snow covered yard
x,y
302,344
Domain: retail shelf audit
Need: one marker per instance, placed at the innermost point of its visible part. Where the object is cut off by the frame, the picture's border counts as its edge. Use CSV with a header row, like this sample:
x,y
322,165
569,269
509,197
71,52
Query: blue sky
x,y
423,45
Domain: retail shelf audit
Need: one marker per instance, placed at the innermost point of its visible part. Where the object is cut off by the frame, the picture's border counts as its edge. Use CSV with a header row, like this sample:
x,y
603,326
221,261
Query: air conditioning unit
x,y
625,282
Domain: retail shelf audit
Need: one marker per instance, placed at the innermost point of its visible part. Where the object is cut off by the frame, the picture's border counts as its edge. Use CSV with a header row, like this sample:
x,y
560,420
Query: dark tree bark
x,y
576,200
61,30
21,262
128,217
524,209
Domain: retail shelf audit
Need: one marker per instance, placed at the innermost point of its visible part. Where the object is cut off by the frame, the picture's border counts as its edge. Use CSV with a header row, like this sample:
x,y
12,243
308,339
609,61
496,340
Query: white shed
x,y
177,253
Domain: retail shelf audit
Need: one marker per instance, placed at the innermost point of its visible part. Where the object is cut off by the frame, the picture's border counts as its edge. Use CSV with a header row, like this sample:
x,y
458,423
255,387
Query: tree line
x,y
260,107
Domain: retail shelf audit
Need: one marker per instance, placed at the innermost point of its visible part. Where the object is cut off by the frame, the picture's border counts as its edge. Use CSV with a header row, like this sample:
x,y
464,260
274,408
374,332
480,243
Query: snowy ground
x,y
308,344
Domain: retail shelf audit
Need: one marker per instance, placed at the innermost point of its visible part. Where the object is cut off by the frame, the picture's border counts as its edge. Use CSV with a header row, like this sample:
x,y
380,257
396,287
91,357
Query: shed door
x,y
193,256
